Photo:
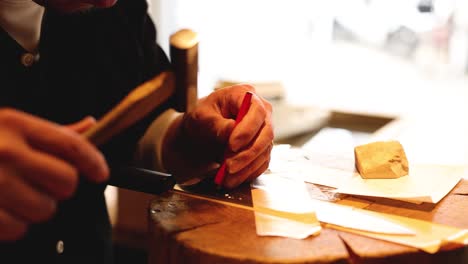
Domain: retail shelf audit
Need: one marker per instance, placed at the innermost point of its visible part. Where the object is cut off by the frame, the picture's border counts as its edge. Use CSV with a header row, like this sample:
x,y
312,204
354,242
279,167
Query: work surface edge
x,y
190,230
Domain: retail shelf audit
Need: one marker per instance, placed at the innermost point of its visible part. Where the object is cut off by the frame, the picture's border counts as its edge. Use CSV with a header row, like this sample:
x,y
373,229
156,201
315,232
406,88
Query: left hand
x,y
207,132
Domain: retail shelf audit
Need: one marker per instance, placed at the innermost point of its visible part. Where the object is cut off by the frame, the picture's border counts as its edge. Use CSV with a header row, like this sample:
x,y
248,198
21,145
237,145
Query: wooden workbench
x,y
189,230
185,229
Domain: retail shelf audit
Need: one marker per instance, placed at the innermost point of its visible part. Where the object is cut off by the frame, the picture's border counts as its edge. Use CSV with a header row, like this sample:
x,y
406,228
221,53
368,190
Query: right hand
x,y
40,162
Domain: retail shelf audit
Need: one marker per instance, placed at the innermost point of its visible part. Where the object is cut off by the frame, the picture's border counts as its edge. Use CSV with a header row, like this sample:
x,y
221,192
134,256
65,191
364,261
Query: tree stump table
x,y
185,229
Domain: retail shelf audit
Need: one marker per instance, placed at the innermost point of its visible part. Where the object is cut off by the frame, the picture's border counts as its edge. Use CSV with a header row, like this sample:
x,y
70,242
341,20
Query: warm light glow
x,y
381,57
396,52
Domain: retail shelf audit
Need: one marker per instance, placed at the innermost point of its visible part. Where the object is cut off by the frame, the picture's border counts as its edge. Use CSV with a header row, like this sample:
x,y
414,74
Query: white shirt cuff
x,y
149,149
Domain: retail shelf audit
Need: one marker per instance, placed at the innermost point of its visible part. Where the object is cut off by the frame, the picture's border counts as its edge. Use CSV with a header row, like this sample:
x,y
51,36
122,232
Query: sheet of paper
x,y
314,167
425,183
288,196
429,237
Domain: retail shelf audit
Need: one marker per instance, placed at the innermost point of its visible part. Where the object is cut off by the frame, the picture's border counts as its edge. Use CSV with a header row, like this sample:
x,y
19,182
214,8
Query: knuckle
x,y
270,134
8,115
255,151
73,145
7,150
249,87
12,119
268,105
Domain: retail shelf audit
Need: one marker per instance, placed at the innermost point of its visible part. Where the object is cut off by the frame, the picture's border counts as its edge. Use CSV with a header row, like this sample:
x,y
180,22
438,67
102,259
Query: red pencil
x,y
242,111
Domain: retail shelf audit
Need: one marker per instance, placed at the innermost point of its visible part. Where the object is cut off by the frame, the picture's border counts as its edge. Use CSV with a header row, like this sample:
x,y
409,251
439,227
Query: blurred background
x,y
333,53
385,58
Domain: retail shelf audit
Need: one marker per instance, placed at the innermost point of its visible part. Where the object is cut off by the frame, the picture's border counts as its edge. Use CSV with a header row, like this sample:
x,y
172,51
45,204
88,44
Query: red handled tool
x,y
242,112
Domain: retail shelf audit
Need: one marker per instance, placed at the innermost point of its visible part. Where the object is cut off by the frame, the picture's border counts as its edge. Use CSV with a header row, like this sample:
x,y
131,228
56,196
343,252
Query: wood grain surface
x,y
189,230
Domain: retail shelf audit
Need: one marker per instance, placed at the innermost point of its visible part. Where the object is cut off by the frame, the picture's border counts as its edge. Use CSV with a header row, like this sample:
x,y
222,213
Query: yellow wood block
x,y
381,160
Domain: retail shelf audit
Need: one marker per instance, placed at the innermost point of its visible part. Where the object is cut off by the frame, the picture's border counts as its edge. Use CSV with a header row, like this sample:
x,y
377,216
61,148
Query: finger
x,y
260,170
56,177
219,128
258,115
78,151
53,175
245,175
248,169
231,99
22,200
220,114
82,125
11,227
59,141
197,174
257,148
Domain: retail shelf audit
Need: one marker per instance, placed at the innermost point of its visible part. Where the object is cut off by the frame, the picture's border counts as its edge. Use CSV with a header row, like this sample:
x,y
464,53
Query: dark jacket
x,y
88,62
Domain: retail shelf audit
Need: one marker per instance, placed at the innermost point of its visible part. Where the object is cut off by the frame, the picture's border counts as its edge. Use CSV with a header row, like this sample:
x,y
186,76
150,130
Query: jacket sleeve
x,y
152,60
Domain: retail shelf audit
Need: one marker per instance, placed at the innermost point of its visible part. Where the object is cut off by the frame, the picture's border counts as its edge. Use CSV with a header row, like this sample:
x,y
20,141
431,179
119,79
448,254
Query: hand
x,y
39,165
205,133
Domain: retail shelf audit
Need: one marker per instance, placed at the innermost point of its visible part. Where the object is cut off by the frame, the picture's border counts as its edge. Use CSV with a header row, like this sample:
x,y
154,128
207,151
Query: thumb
x,y
82,125
224,129
197,174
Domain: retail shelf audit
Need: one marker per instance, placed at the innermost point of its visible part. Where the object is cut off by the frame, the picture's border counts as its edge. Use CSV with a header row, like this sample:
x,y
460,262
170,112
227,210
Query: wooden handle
x,y
132,108
184,58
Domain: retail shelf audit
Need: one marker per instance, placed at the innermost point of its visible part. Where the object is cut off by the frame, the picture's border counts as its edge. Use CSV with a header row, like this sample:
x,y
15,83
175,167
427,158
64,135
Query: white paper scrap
x,y
314,167
424,183
288,196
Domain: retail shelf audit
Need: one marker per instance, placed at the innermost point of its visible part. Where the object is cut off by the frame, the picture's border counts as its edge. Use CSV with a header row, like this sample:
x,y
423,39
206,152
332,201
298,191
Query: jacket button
x,y
60,247
28,59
